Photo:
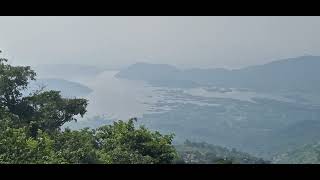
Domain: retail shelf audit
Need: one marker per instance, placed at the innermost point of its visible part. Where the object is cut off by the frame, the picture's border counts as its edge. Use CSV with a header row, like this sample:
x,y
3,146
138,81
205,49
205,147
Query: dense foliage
x,y
30,129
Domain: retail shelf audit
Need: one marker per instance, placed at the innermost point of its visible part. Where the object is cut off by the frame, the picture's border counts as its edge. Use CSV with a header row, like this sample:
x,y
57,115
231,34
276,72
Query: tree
x,y
123,143
17,147
77,147
51,111
13,80
46,110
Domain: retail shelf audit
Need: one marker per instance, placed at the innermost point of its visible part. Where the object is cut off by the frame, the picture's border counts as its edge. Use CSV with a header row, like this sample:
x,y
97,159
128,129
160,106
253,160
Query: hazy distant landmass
x,y
157,75
68,71
294,74
67,88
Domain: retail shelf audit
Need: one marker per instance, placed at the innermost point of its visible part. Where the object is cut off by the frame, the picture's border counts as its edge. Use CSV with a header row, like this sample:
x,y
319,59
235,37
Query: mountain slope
x,y
294,74
67,88
67,71
204,153
307,154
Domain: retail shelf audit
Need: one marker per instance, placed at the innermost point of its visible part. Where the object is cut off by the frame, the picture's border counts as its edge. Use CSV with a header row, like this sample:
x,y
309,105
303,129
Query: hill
x,y
67,88
307,154
204,153
67,71
294,74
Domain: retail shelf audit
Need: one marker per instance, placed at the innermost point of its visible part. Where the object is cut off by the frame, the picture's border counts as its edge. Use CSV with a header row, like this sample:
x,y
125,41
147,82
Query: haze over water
x,y
118,98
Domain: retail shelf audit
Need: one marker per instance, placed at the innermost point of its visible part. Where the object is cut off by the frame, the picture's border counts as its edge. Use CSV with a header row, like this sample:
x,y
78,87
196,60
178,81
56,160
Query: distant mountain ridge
x,y
67,71
298,74
67,88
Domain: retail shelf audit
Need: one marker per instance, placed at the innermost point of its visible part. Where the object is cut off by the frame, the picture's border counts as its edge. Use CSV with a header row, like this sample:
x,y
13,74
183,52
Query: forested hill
x,y
307,154
204,153
294,74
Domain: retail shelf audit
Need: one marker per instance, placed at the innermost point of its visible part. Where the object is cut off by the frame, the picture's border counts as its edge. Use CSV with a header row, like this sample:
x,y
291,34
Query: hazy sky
x,y
230,42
